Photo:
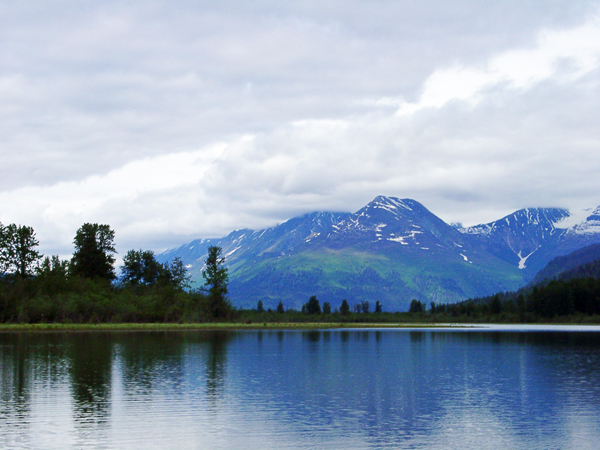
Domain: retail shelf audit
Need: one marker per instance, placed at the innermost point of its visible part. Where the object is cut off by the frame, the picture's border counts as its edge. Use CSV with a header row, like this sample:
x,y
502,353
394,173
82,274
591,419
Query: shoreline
x,y
272,326
46,327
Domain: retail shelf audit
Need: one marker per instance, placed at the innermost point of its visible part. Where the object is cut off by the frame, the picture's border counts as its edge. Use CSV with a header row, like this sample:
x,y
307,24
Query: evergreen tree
x,y
345,307
326,308
216,280
280,309
495,305
259,307
416,306
313,306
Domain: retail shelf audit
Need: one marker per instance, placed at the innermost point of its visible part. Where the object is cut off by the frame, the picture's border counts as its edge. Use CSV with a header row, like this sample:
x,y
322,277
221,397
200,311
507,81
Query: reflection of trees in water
x,y
91,369
387,383
395,382
312,336
25,359
148,359
345,336
216,363
16,376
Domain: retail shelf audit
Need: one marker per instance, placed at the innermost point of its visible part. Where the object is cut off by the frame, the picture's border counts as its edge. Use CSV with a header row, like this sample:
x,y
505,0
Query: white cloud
x,y
172,123
562,55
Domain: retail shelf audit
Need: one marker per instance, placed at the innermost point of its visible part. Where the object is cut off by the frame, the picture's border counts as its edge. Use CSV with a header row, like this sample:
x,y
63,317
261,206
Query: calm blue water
x,y
340,389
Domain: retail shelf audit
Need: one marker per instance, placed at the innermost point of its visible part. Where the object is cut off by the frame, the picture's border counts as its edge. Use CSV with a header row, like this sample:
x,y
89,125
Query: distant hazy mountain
x,y
392,250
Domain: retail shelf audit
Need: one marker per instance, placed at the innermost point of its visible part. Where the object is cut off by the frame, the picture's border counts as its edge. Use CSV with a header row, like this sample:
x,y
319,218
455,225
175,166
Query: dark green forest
x,y
570,296
86,289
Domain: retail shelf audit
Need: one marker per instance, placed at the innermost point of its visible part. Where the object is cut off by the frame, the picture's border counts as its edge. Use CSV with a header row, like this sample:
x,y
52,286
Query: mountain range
x,y
392,250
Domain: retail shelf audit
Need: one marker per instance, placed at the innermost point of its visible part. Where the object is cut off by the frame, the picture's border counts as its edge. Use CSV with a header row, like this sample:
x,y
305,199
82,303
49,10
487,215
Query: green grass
x,y
43,327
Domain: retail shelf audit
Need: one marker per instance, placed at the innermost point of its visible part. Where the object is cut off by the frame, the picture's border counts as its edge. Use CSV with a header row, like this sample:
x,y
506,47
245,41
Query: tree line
x,y
86,288
558,300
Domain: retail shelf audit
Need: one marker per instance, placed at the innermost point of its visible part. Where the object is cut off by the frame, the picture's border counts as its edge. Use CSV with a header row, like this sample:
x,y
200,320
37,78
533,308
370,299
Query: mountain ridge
x,y
392,250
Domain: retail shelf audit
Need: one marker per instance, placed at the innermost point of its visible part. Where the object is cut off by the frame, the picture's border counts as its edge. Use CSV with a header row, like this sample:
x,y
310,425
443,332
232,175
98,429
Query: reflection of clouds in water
x,y
467,428
319,389
35,399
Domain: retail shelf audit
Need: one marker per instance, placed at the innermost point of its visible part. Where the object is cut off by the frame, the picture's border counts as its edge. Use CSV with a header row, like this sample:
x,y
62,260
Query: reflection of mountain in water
x,y
396,385
318,388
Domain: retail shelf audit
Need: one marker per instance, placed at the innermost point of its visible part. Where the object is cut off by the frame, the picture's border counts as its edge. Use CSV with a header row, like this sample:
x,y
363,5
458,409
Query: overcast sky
x,y
184,119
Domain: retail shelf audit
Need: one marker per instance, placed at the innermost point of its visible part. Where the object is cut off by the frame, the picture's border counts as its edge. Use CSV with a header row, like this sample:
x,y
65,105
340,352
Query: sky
x,y
178,120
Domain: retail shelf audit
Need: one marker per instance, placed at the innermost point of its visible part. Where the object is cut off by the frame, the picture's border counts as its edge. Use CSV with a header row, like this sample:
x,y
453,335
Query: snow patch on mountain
x,y
484,229
228,254
402,239
574,218
523,259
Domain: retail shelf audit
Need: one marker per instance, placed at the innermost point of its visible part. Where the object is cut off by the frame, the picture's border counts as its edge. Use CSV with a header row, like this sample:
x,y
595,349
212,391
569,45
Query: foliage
x,y
94,249
52,275
175,273
312,306
280,309
416,306
17,250
217,278
140,268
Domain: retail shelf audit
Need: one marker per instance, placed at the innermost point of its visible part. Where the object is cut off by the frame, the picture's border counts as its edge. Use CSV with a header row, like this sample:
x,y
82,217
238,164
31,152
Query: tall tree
x,y
94,249
345,307
17,250
416,306
26,256
7,248
216,279
313,306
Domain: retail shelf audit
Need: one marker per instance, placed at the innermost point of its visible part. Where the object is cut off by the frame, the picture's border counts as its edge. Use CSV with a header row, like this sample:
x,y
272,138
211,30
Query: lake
x,y
497,387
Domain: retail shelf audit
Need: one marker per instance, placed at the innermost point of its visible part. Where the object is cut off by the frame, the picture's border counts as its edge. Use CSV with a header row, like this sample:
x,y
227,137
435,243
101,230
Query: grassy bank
x,y
43,327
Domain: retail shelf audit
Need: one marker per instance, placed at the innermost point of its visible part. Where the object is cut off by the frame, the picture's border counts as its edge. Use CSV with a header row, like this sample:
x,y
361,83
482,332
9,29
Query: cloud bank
x,y
177,121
